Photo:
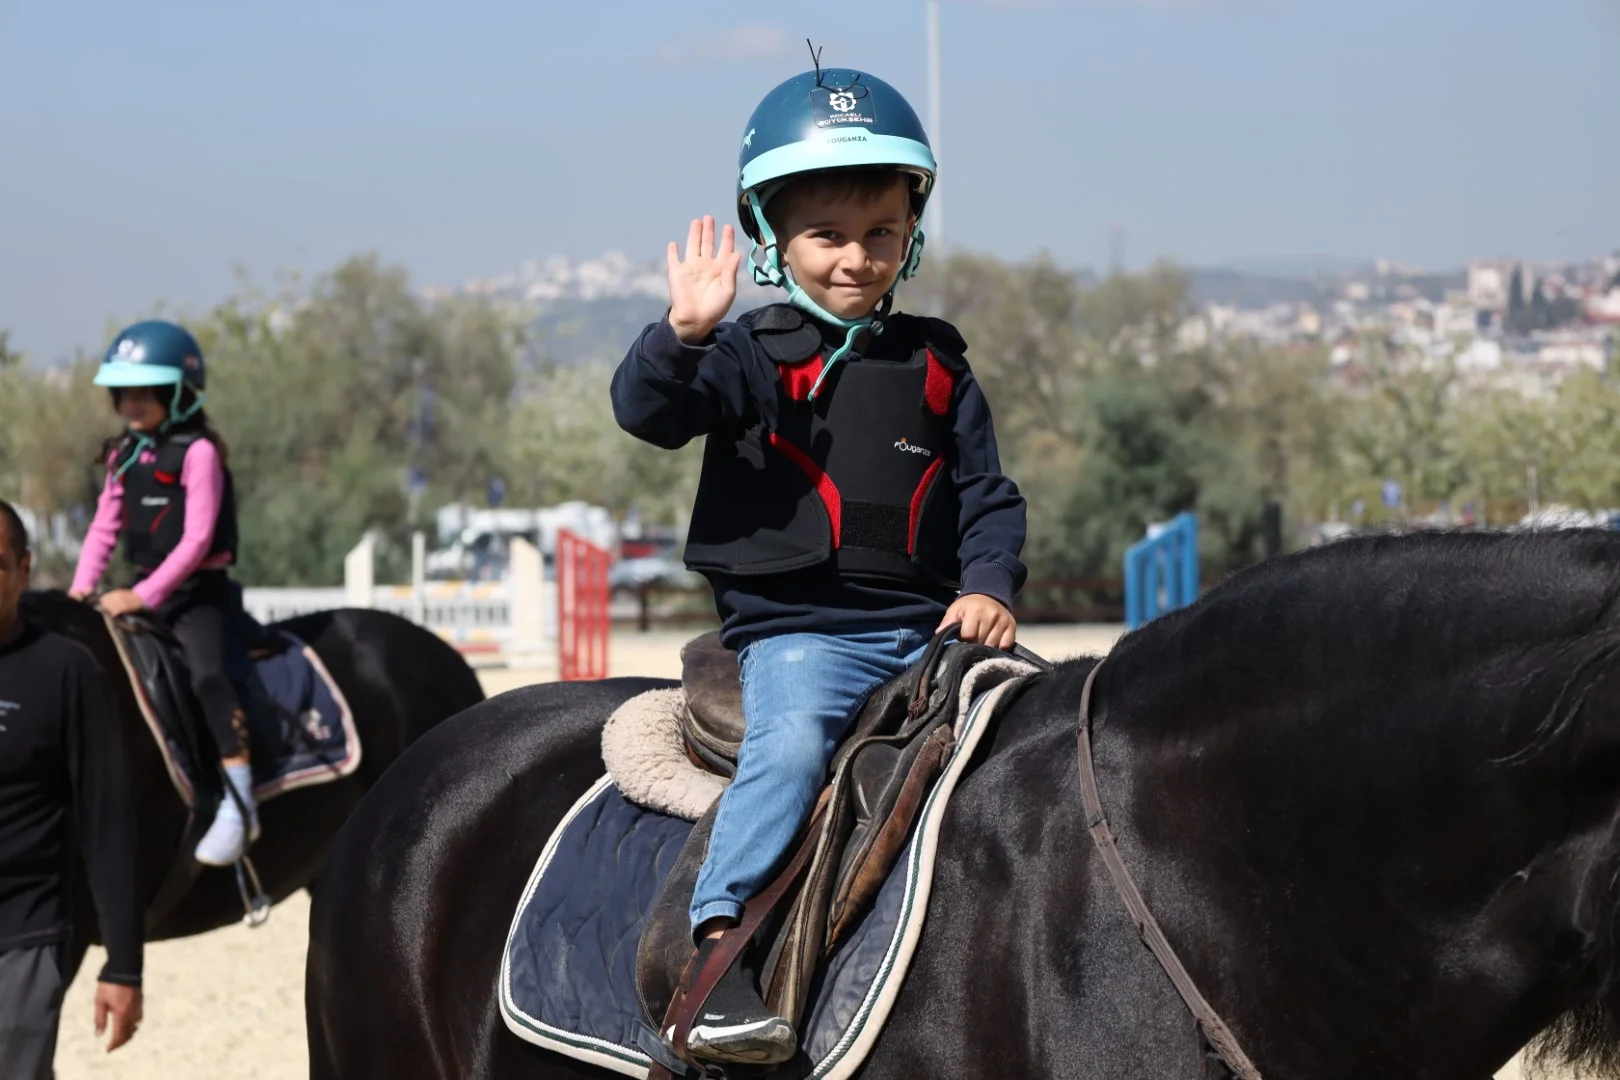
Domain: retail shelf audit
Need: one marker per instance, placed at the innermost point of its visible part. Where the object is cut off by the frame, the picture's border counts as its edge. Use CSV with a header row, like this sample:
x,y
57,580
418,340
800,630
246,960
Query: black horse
x,y
399,680
1371,792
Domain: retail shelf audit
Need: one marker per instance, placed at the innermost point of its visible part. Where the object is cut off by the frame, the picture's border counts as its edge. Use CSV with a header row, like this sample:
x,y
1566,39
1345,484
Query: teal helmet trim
x,y
118,373
903,155
820,121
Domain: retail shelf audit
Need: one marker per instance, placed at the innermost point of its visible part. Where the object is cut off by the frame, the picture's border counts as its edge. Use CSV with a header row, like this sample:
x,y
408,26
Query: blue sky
x,y
148,150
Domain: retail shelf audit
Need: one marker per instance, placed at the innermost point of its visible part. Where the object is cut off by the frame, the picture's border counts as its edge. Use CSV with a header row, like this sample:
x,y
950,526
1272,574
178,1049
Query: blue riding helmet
x,y
831,118
157,353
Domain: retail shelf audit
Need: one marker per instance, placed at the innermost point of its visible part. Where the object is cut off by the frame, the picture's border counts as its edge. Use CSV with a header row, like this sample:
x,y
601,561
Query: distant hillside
x,y
581,331
1240,289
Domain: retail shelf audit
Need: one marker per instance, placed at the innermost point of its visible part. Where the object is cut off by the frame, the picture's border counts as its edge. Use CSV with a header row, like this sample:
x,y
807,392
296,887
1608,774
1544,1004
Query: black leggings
x,y
201,613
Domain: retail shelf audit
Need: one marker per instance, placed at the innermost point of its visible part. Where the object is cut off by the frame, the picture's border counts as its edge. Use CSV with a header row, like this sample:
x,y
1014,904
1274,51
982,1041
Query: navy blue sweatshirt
x,y
668,393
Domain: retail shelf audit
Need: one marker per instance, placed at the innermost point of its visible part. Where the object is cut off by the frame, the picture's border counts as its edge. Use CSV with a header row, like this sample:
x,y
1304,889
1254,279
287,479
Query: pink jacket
x,y
203,477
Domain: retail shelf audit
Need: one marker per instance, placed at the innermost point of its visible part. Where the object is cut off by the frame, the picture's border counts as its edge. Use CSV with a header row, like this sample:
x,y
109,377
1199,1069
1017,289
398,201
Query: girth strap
x,y
1209,1022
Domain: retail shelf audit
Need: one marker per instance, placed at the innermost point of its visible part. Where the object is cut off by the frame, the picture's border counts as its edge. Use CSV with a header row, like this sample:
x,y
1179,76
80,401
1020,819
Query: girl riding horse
x,y
169,493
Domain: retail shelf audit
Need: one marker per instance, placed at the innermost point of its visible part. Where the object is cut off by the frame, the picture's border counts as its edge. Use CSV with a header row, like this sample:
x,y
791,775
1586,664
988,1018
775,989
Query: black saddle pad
x,y
567,979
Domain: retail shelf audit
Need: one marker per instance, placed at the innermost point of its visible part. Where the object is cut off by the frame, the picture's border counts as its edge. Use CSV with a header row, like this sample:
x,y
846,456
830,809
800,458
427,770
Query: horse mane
x,y
1531,616
1584,1042
1529,610
53,609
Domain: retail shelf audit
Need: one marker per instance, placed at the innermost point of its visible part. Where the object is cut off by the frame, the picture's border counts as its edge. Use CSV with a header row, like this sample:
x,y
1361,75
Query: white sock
x,y
241,778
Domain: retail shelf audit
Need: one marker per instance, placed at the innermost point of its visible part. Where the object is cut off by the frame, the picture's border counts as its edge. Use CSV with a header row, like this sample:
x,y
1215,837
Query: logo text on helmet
x,y
834,106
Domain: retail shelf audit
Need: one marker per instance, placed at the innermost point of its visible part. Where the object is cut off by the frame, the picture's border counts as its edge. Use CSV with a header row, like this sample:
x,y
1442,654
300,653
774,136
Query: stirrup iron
x,y
256,908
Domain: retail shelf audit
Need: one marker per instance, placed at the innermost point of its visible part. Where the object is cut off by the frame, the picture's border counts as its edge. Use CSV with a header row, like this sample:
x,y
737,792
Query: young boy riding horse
x,y
851,501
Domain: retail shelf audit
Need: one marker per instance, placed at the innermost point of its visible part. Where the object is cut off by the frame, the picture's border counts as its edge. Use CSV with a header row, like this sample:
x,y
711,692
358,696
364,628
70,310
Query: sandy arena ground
x,y
231,1003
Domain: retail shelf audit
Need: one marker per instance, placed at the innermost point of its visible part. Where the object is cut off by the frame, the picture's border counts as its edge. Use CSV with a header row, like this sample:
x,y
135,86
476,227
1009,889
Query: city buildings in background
x,y
1505,321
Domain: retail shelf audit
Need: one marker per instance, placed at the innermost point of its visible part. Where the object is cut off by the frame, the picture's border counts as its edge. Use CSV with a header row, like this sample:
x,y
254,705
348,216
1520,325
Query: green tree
x,y
1105,420
565,444
1151,451
321,398
9,358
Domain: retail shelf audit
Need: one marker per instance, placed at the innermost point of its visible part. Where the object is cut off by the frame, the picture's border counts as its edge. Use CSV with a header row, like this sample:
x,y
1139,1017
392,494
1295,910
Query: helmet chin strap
x,y
175,415
143,443
178,415
770,271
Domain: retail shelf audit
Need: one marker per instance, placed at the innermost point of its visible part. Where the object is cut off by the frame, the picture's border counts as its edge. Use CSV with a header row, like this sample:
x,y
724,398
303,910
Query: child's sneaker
x,y
734,1025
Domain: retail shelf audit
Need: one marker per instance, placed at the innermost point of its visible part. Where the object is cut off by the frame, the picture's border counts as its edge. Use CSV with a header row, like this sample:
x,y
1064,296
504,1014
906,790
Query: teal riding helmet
x,y
156,353
831,118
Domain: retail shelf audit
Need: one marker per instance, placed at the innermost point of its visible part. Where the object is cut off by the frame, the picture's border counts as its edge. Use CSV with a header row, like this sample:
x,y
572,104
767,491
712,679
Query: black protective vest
x,y
861,476
155,504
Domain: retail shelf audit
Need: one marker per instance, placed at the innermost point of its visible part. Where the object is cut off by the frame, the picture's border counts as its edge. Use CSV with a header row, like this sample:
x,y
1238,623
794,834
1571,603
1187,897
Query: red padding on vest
x,y
825,488
164,478
799,379
917,496
937,390
163,513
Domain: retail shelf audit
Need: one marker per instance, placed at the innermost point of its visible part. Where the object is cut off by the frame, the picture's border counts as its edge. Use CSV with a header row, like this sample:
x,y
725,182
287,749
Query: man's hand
x,y
703,285
983,620
122,602
121,1004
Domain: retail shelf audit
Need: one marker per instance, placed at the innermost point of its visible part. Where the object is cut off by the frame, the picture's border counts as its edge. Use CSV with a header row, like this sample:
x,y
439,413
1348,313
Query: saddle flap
x,y
890,799
666,935
879,780
900,742
712,680
164,680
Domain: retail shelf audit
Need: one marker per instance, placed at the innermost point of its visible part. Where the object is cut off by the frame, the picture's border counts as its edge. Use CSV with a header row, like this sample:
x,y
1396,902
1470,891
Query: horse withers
x,y
1371,793
398,679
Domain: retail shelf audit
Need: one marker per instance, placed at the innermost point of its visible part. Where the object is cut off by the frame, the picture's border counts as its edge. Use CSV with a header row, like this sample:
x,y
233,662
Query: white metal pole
x,y
936,207
419,578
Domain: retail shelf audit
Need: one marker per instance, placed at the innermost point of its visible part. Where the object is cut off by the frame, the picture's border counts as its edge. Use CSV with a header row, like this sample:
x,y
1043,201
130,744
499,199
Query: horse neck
x,y
1350,863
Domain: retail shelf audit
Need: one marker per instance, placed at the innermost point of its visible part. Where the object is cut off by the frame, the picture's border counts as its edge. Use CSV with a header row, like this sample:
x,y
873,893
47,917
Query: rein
x,y
1213,1028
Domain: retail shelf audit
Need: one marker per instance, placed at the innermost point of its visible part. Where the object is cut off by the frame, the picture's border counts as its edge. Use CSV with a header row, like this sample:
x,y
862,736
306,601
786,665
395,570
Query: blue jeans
x,y
800,692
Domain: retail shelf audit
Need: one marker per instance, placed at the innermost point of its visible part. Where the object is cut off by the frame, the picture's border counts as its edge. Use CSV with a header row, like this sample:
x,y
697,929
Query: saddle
x,y
300,728
881,774
158,662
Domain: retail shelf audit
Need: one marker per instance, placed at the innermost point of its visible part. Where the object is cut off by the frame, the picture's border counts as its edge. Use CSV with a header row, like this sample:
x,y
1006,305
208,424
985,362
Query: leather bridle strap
x,y
1214,1030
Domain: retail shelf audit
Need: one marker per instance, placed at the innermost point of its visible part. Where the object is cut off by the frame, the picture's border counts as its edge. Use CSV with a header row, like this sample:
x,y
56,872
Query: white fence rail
x,y
512,618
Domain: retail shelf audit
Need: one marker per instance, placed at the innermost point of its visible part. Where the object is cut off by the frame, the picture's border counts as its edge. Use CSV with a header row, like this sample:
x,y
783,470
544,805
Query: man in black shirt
x,y
61,757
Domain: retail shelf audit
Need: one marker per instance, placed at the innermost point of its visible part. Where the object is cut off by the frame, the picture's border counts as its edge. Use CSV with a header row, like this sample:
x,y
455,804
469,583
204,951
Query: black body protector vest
x,y
155,504
861,476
